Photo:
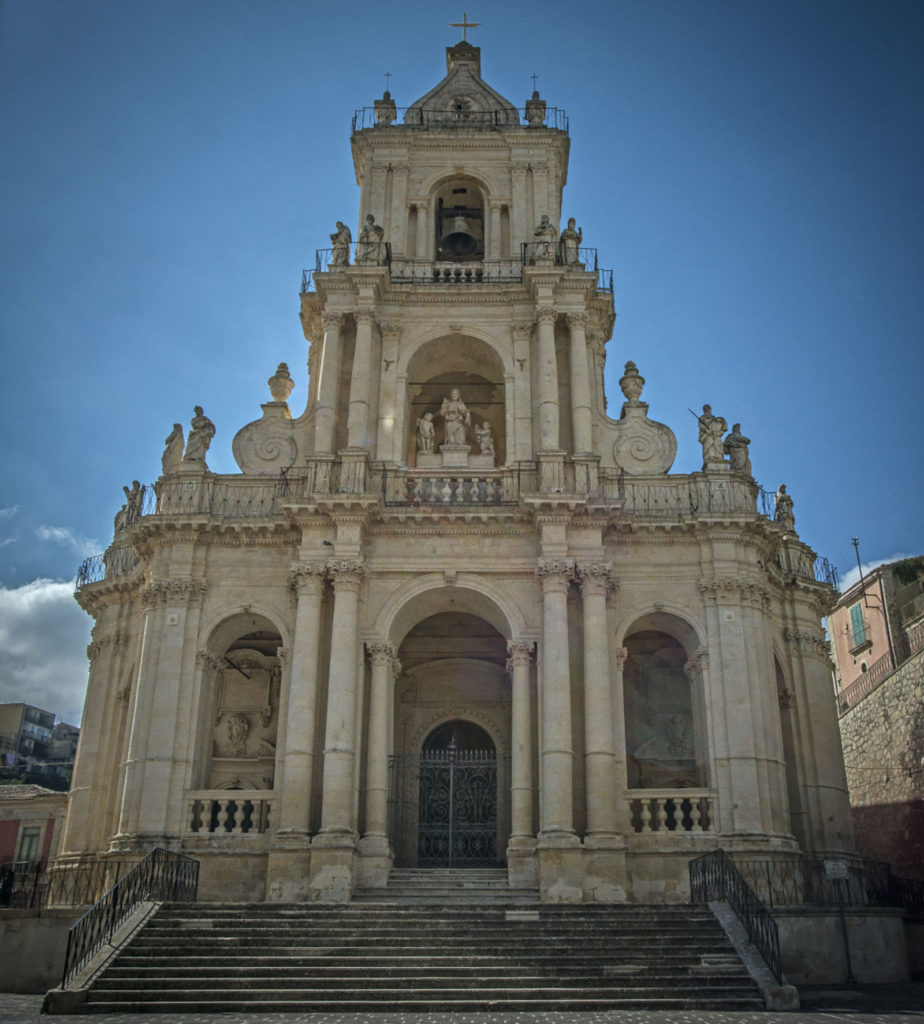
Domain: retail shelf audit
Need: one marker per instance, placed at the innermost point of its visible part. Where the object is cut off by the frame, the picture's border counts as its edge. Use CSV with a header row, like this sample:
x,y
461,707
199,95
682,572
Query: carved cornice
x,y
520,653
333,320
346,574
308,577
807,643
597,578
103,645
721,588
162,593
205,659
555,574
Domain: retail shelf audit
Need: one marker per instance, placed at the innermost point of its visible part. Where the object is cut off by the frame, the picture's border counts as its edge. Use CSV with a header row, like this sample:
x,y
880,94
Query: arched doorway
x,y
457,780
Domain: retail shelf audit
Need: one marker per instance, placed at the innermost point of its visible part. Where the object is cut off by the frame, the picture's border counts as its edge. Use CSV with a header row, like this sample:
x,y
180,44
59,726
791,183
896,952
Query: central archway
x,y
457,780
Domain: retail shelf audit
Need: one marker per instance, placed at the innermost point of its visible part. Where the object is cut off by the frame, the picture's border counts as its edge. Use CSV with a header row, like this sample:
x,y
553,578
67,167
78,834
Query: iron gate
x,y
458,808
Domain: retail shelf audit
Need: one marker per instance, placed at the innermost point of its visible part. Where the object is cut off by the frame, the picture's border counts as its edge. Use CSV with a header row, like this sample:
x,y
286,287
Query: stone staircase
x,y
432,941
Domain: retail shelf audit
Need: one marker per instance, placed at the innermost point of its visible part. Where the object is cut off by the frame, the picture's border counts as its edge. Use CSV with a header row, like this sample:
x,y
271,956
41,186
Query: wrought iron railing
x,y
111,563
416,117
905,646
161,875
715,877
39,886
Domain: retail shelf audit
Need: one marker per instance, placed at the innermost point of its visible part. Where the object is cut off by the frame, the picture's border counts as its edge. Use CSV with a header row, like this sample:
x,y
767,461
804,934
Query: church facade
x,y
454,613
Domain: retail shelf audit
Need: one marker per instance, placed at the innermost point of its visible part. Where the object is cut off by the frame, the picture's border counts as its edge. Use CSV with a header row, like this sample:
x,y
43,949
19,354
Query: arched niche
x,y
242,729
664,735
459,202
475,369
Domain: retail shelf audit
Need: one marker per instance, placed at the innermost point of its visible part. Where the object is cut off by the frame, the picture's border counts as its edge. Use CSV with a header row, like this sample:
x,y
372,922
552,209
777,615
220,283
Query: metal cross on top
x,y
464,24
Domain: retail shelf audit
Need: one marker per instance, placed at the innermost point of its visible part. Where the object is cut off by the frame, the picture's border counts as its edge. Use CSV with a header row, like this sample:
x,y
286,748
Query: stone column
x,y
618,656
358,433
326,411
374,847
548,380
598,707
300,722
424,233
556,811
521,763
580,385
494,237
333,848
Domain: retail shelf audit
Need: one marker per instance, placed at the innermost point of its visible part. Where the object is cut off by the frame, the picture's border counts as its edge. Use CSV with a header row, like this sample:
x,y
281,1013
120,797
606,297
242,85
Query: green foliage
x,y
908,569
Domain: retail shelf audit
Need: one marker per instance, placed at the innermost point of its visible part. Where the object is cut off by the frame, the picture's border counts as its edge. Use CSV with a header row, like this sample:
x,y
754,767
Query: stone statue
x,y
571,239
783,513
425,433
201,432
340,241
238,729
485,440
456,418
736,448
711,429
546,235
370,242
173,450
133,502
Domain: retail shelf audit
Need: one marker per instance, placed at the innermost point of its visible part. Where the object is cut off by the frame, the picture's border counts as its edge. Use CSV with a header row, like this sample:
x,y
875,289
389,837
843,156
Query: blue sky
x,y
750,170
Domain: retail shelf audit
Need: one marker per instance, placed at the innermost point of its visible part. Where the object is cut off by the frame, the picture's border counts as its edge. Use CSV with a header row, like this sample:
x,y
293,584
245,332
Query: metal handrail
x,y
161,875
715,877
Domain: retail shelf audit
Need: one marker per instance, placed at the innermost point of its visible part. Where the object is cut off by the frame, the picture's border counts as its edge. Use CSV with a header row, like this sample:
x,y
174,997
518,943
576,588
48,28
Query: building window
x,y
29,844
858,634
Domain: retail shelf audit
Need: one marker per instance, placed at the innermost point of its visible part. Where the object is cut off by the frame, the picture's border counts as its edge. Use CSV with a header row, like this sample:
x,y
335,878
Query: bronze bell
x,y
458,242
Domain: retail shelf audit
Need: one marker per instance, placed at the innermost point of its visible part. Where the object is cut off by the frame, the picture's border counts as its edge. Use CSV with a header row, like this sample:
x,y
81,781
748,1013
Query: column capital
x,y
172,592
576,320
692,668
597,578
365,316
332,320
520,653
546,315
555,573
205,659
346,574
307,577
620,656
381,652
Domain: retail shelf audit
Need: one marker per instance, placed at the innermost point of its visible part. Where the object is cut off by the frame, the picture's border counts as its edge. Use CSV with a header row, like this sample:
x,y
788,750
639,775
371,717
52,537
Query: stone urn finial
x,y
281,384
632,383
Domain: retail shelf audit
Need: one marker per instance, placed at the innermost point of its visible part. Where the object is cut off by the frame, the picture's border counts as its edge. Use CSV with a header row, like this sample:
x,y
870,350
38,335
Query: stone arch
x,y
663,702
239,702
468,363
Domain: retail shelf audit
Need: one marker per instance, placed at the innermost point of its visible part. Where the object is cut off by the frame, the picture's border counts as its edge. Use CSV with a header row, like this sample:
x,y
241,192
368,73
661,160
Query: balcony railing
x,y
230,811
904,648
447,272
415,117
668,810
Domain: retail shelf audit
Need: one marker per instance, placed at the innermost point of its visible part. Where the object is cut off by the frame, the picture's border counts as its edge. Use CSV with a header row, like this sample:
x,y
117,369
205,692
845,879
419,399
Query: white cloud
x,y
8,513
84,546
43,640
853,576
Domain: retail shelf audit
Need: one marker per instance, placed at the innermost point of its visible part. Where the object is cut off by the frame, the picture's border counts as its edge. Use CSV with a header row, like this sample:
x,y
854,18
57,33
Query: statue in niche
x,y
783,513
238,729
456,418
370,242
425,433
711,429
484,438
340,240
201,432
546,235
737,450
571,239
173,450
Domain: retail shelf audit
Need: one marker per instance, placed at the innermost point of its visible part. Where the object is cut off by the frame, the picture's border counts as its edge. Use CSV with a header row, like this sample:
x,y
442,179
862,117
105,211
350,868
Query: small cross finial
x,y
534,77
387,77
464,24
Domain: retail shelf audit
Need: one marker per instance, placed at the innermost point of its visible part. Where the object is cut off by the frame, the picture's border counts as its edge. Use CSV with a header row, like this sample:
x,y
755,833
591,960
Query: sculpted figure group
x,y
456,417
717,444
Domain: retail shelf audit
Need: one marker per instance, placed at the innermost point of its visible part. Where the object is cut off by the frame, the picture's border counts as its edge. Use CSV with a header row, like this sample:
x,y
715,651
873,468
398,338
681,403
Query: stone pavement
x,y
865,1004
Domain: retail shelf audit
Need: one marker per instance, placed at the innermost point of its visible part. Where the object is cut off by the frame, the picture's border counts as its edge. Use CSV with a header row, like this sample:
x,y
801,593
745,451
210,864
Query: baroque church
x,y
455,613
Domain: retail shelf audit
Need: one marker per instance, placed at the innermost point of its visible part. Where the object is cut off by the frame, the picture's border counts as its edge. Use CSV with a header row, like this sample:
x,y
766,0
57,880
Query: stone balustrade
x,y
670,810
230,811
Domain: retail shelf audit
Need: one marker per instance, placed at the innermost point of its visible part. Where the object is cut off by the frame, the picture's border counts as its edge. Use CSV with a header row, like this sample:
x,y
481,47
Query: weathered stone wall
x,y
883,738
